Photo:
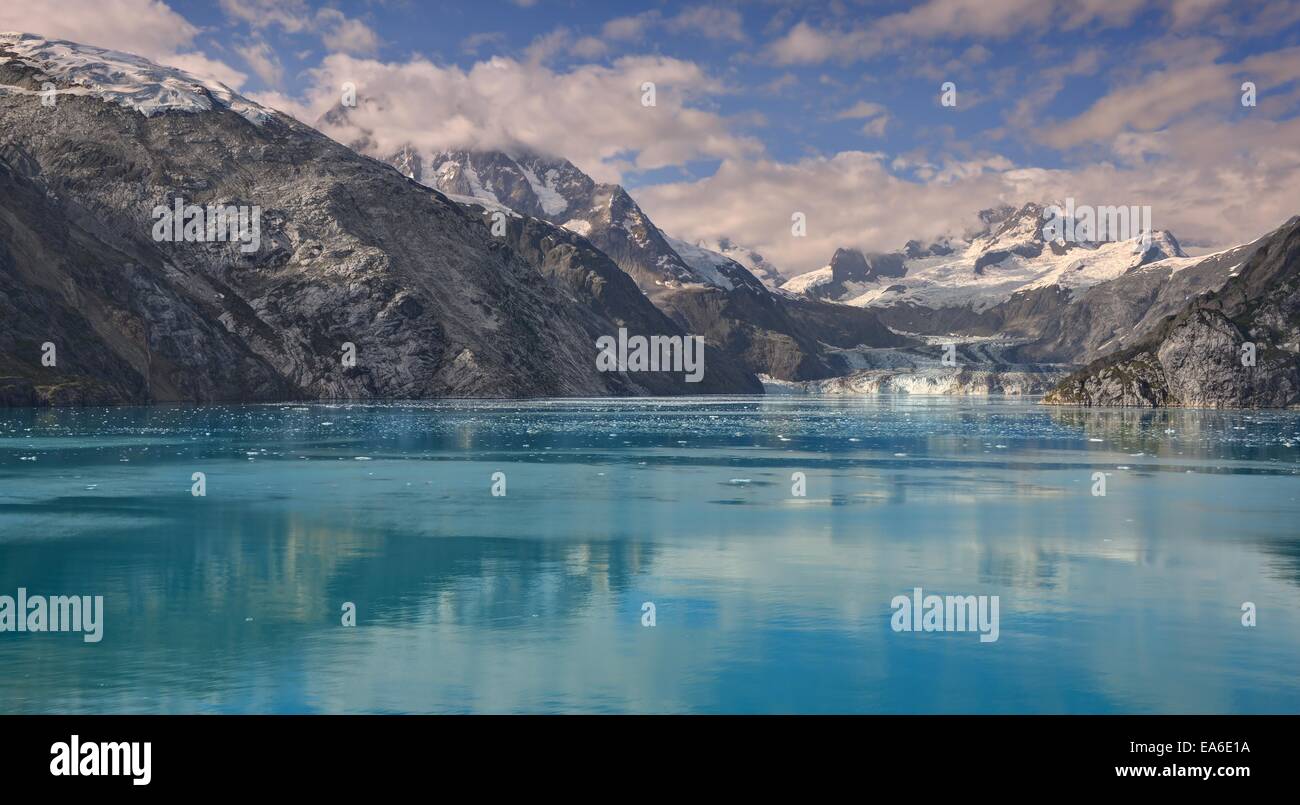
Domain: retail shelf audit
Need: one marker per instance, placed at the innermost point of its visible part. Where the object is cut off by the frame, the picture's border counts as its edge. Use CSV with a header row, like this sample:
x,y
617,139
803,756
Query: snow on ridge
x,y
490,205
476,187
748,259
810,279
939,281
127,80
704,262
552,202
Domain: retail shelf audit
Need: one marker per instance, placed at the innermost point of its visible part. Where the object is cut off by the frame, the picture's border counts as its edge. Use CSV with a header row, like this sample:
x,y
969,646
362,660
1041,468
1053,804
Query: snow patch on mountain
x,y
578,226
121,78
812,279
1011,255
552,202
750,260
707,264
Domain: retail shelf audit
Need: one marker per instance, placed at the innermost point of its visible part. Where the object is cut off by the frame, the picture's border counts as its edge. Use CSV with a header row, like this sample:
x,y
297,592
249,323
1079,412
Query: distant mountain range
x,y
482,273
1045,301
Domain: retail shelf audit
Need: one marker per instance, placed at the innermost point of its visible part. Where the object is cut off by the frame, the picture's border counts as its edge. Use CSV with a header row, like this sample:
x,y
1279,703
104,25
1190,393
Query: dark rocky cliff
x,y
1200,357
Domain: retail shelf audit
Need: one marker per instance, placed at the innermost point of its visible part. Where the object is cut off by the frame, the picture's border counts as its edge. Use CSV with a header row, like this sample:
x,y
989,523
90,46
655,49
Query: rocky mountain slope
x,y
1238,347
592,280
707,293
351,252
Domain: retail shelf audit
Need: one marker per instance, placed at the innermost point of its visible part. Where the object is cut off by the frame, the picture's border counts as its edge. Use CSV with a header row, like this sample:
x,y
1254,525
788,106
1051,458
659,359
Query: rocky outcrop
x,y
1135,380
1237,348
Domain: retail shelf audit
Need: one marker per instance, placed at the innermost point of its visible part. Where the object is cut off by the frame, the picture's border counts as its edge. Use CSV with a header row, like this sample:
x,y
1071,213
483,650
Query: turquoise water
x,y
764,601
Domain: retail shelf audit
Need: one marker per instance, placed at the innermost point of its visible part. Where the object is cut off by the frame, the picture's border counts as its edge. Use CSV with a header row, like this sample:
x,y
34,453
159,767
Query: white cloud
x,y
875,115
337,31
850,199
591,115
1213,183
259,56
629,28
346,35
712,22
861,110
804,44
781,83
948,20
476,42
1161,97
204,67
292,15
875,127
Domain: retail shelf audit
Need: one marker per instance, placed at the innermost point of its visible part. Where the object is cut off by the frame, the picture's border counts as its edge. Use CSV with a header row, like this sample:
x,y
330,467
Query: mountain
x,y
1201,356
706,292
555,190
350,252
752,261
1047,301
847,272
592,280
1010,254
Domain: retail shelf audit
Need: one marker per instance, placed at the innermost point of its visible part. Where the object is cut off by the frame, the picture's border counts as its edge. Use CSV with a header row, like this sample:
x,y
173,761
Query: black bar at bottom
x,y
208,754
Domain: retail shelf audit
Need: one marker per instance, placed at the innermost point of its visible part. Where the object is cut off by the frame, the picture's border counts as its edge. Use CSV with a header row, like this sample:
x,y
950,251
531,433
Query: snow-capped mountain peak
x,y
1009,254
556,191
754,263
530,184
120,78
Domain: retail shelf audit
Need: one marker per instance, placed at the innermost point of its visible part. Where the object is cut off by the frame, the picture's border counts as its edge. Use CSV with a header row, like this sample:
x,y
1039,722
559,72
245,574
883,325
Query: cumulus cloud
x,y
1214,184
591,114
259,56
344,34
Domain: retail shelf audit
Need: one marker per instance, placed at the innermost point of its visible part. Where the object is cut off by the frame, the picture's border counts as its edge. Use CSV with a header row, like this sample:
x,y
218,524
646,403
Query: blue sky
x,y
797,102
768,106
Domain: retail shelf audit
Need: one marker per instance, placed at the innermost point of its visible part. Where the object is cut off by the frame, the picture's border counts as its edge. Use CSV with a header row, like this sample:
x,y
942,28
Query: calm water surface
x,y
765,602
